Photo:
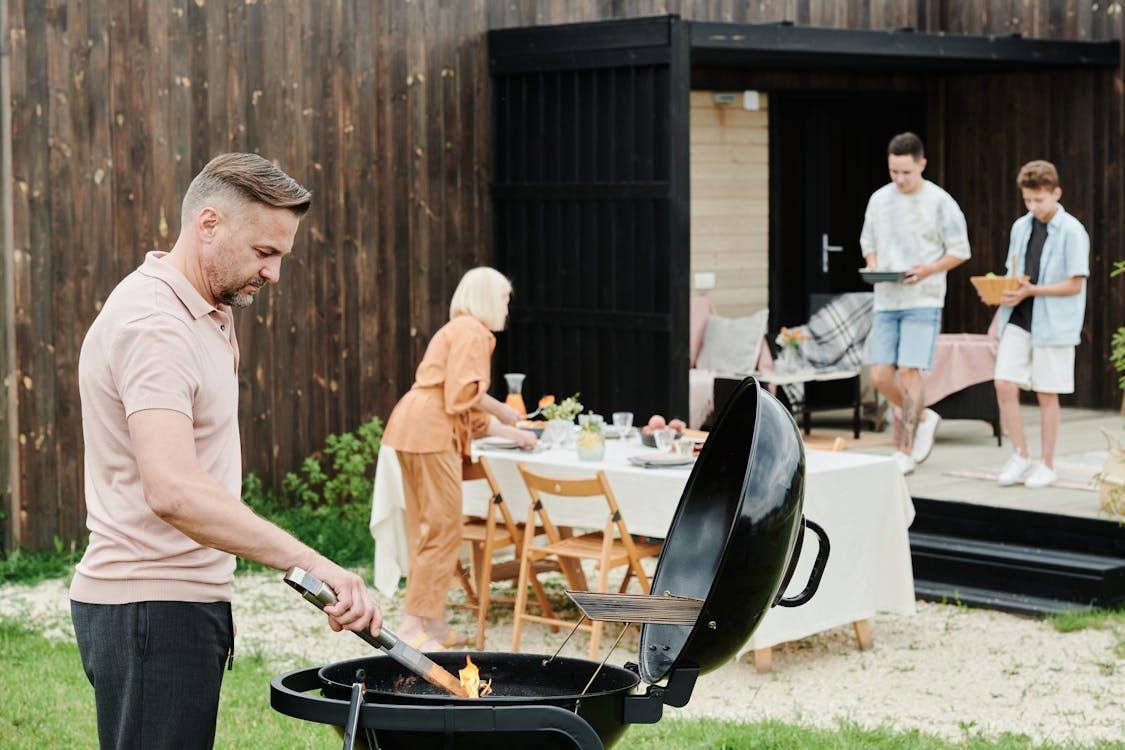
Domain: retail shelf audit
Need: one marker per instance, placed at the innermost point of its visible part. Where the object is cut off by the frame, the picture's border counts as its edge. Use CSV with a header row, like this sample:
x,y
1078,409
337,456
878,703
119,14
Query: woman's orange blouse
x,y
438,411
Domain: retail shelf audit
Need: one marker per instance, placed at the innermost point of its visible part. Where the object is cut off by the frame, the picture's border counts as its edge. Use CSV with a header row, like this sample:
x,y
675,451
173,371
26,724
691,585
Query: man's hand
x,y
917,273
872,262
355,608
1013,297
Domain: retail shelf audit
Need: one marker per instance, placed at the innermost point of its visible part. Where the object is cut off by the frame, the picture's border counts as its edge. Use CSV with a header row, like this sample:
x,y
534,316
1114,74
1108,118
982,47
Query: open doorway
x,y
827,155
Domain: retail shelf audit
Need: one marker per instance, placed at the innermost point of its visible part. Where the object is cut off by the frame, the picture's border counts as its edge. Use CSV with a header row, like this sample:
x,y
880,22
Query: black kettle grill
x,y
733,544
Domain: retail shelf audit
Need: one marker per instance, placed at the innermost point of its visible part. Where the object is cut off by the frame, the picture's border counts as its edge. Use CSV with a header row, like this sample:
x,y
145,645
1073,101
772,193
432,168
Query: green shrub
x,y
26,566
327,502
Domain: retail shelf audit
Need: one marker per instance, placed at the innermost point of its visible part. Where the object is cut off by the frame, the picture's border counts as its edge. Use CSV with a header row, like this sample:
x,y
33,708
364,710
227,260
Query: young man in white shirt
x,y
1040,323
913,226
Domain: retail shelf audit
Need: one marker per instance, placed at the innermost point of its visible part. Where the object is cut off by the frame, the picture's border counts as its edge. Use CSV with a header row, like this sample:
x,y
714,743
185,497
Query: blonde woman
x,y
430,430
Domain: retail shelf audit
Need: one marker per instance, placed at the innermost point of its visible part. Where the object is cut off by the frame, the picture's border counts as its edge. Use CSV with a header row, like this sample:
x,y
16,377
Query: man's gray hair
x,y
245,177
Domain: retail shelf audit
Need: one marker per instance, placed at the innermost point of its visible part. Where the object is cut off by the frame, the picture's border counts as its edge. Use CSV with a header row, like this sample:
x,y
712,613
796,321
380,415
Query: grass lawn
x,y
1101,619
47,702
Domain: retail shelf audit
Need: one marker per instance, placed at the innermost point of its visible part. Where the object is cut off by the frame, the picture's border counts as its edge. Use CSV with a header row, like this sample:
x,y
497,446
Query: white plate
x,y
660,459
497,442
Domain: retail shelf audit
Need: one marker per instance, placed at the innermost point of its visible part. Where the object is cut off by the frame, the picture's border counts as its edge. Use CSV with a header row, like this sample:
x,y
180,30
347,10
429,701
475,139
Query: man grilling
x,y
158,378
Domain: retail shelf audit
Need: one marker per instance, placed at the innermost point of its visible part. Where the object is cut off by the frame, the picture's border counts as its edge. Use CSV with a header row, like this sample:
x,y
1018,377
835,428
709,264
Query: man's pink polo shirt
x,y
156,344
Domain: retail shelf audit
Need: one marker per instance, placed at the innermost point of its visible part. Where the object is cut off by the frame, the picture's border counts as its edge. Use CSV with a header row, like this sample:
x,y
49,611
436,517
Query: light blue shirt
x,y
1055,321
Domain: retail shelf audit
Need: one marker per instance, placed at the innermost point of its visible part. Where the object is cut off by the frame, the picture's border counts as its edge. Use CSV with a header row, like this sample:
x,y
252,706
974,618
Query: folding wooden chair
x,y
486,536
607,548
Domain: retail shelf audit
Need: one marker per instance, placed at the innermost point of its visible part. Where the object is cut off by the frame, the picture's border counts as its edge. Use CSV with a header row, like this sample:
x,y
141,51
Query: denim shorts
x,y
905,338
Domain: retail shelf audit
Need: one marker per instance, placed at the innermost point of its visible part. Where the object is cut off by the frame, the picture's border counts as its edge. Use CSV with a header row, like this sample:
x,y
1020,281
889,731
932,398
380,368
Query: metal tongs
x,y
315,590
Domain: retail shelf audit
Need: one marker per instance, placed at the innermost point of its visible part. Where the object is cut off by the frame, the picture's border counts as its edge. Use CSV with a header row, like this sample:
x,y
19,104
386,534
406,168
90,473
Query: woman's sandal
x,y
424,642
453,639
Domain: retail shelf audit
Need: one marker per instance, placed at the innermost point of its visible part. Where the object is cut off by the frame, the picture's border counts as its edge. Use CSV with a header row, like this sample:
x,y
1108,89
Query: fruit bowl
x,y
991,288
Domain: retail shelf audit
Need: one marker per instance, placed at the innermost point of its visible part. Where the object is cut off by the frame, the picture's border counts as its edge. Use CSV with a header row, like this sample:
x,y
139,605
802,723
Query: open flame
x,y
470,680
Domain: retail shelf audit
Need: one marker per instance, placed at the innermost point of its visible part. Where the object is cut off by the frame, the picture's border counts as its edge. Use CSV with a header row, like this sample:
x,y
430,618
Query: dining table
x,y
861,500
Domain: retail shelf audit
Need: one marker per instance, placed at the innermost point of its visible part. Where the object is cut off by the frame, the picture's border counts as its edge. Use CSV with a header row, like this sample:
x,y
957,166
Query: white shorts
x,y
1043,369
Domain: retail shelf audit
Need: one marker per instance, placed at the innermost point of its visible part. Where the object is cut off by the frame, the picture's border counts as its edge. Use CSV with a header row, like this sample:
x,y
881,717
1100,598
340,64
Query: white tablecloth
x,y
861,501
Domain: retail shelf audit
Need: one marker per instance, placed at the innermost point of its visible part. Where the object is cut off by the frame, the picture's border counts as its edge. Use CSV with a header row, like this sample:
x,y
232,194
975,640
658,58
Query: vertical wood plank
x,y
69,147
23,126
10,504
35,318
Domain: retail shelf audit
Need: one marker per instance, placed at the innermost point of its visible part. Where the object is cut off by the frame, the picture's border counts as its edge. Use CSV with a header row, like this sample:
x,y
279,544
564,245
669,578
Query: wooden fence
x,y
381,109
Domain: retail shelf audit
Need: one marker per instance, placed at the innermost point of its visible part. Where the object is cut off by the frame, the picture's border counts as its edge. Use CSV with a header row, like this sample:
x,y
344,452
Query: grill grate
x,y
642,608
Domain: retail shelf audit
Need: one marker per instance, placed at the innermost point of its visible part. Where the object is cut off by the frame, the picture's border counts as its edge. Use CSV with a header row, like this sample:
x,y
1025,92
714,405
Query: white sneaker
x,y
924,435
905,462
1040,476
1014,470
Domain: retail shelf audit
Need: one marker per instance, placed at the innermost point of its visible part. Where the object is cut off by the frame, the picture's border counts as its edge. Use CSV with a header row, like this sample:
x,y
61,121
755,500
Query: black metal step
x,y
1017,569
989,599
1017,561
1027,527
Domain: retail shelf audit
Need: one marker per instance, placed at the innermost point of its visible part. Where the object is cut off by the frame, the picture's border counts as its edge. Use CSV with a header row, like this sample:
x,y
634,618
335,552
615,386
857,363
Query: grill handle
x,y
817,569
316,591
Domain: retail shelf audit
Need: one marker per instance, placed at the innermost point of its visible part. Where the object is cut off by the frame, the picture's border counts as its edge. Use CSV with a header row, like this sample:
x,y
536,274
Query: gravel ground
x,y
947,670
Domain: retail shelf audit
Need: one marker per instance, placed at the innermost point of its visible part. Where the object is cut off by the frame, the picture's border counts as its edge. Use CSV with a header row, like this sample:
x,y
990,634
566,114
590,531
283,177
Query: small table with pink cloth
x,y
960,385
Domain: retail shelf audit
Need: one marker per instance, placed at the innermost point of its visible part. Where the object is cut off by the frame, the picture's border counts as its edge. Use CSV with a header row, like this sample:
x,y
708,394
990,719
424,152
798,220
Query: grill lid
x,y
737,525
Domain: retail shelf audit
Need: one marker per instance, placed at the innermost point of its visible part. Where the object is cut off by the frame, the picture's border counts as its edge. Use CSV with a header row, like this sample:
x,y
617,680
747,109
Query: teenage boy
x,y
1040,322
914,226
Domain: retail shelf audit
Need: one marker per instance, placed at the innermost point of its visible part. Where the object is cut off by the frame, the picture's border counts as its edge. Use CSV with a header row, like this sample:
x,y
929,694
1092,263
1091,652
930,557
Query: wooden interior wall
x,y
381,109
730,201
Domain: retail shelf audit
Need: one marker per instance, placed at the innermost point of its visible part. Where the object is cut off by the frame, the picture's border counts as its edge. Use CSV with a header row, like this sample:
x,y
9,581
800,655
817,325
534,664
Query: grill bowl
x,y
518,679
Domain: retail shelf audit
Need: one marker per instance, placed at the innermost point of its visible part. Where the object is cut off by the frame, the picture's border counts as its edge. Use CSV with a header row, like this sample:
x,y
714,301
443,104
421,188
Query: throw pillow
x,y
731,345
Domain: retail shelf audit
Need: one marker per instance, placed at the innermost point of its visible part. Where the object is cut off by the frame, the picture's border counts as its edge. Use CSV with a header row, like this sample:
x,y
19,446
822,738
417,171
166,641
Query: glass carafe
x,y
591,438
515,392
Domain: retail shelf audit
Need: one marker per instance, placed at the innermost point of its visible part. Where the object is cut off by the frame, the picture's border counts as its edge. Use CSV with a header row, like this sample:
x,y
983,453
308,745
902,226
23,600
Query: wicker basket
x,y
991,288
1111,479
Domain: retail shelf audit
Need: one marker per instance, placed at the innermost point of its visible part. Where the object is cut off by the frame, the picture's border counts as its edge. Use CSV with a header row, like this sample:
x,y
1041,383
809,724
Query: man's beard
x,y
231,292
235,297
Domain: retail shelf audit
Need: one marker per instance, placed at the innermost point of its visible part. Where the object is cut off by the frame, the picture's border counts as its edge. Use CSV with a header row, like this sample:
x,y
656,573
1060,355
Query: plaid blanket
x,y
838,332
836,336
